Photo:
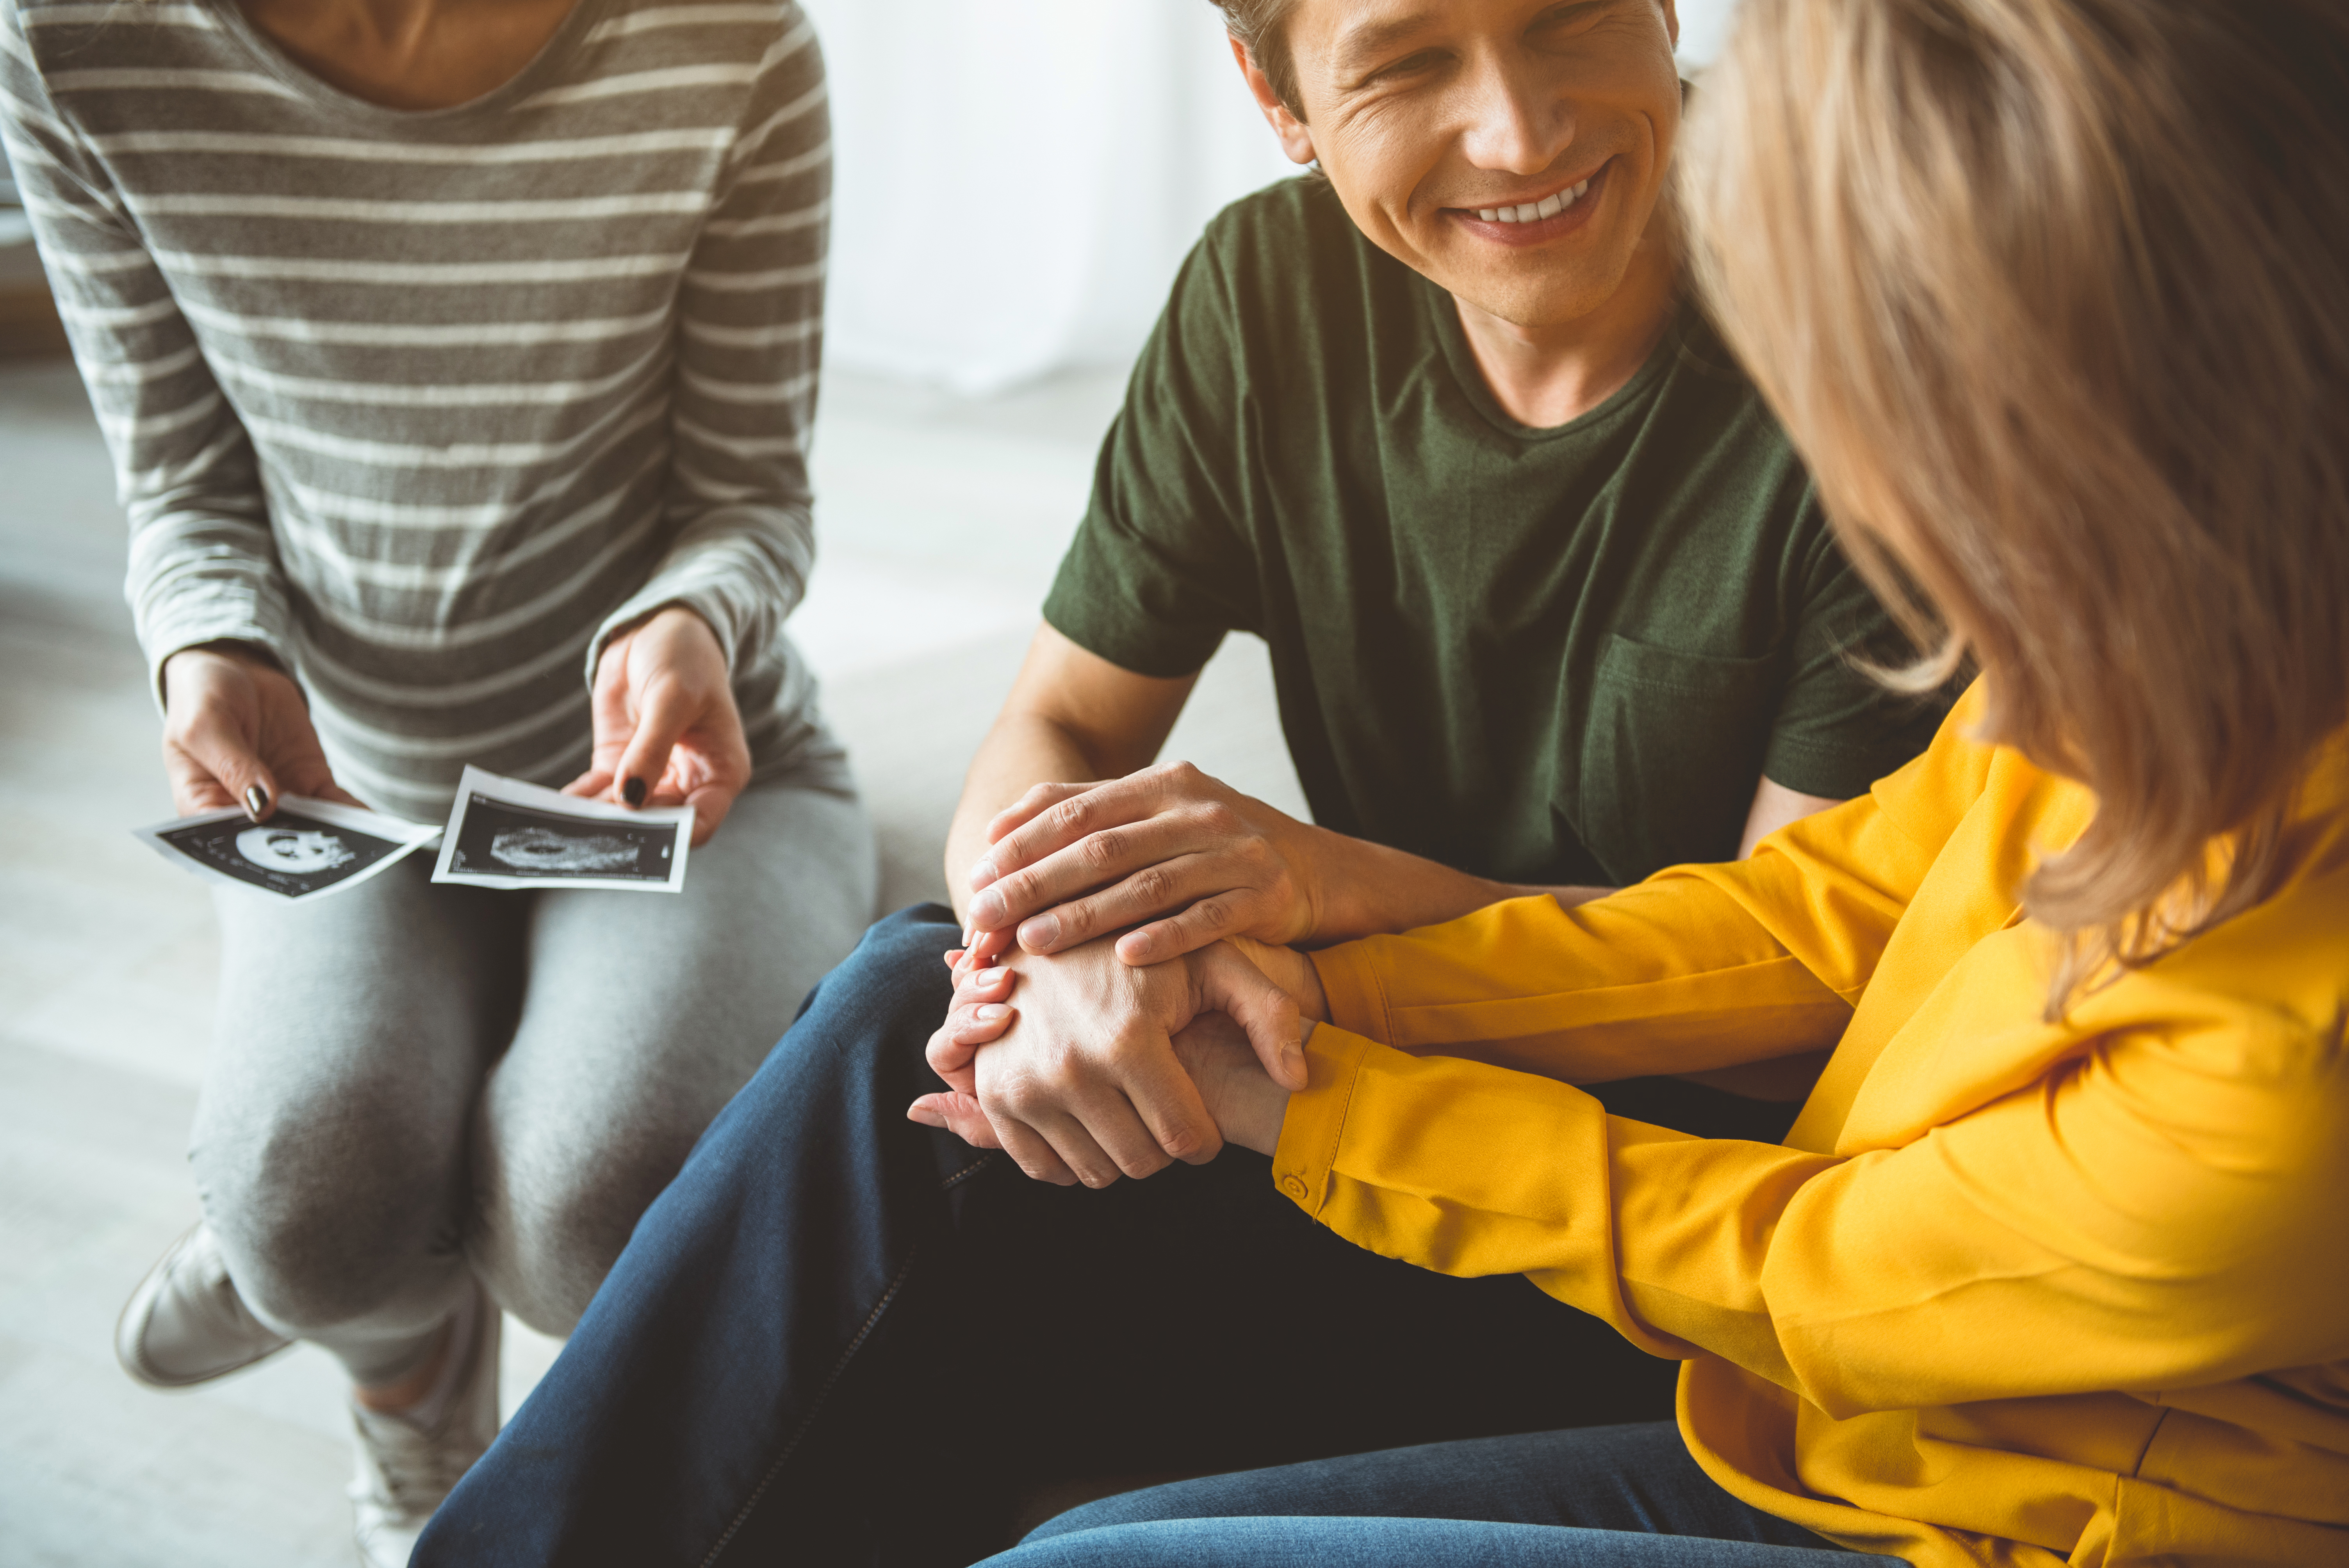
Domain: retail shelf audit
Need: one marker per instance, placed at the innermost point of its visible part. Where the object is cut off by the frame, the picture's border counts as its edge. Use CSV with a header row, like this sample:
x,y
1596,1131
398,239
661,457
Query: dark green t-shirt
x,y
1562,656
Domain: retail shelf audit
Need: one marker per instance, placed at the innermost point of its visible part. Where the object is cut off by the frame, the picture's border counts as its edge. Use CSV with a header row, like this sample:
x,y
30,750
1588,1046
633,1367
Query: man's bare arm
x,y
1075,720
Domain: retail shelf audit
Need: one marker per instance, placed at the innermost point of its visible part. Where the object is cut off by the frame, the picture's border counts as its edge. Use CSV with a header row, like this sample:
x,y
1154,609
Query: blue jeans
x,y
1602,1496
841,1338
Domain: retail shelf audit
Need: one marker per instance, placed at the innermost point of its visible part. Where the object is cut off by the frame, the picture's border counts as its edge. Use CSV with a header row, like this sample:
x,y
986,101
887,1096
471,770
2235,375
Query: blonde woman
x,y
458,361
2053,295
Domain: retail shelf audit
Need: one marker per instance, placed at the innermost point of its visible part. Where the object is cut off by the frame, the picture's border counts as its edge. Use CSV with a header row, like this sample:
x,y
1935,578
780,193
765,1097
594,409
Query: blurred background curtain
x,y
1017,184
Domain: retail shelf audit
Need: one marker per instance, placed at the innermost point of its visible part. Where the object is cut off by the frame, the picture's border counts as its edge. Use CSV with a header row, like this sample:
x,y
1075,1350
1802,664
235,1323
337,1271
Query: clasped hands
x,y
1157,1014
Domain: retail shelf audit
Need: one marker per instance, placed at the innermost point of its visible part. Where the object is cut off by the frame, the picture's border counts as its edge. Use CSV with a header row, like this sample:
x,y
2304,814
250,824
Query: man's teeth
x,y
1534,211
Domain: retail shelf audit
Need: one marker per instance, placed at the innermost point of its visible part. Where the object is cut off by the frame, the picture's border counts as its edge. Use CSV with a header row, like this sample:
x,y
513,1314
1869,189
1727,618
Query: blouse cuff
x,y
1356,997
1315,1117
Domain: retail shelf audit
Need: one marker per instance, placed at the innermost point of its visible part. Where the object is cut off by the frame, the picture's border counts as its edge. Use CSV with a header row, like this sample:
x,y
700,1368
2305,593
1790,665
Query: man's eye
x,y
1409,66
1568,18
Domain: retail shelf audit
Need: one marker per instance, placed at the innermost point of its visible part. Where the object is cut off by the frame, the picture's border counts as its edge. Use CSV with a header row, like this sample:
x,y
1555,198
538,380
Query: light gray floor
x,y
940,522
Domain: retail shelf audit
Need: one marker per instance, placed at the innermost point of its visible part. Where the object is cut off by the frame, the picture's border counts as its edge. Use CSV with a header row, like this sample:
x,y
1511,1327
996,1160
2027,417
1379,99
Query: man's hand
x,y
1083,1084
1190,856
237,733
666,730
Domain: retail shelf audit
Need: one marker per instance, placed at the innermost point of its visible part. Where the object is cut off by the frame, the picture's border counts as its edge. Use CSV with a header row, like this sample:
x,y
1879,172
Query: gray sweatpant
x,y
411,1081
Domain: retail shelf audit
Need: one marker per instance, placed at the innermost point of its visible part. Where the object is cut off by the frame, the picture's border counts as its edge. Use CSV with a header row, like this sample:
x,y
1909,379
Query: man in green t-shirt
x,y
1550,601
1550,605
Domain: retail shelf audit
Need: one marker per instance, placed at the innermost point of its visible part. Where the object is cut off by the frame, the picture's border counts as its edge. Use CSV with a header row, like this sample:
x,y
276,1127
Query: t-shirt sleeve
x,y
1839,729
1161,567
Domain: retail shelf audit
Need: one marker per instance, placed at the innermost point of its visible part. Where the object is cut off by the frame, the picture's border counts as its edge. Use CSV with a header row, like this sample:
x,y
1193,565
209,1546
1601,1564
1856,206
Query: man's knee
x,y
901,961
872,1015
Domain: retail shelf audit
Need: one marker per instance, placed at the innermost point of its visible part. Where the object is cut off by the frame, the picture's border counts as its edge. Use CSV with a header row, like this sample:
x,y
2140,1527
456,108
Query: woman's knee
x,y
326,1221
554,1207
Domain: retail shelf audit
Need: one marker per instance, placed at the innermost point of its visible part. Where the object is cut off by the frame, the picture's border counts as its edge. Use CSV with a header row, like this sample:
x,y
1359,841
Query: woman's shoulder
x,y
736,25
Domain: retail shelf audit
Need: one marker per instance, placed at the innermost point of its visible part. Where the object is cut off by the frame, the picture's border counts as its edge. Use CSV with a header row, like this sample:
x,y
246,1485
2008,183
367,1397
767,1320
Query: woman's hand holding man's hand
x,y
666,730
1232,1032
236,733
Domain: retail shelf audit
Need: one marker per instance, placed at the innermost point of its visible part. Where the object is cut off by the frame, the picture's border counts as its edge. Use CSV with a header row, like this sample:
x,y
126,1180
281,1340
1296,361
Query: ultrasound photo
x,y
508,834
307,848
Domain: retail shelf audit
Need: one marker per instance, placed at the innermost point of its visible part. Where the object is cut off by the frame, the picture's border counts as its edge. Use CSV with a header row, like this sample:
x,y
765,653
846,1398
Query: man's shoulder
x,y
1289,241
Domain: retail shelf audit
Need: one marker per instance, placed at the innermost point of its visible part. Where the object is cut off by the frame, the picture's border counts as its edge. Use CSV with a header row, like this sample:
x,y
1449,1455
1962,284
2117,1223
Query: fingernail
x,y
632,792
982,874
256,801
992,1011
988,976
1041,932
1295,1058
987,906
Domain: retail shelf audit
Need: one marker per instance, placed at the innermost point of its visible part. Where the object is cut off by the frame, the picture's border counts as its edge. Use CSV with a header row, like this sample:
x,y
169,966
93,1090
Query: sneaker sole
x,y
130,1336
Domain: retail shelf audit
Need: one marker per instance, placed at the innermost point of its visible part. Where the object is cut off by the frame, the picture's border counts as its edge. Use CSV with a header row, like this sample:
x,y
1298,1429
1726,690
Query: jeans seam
x,y
972,1169
838,1367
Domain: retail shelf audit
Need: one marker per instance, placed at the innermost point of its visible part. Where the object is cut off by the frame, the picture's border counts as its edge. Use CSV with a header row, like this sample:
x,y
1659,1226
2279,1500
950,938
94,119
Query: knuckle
x,y
1101,850
1214,913
1182,1142
1220,820
1154,885
1072,815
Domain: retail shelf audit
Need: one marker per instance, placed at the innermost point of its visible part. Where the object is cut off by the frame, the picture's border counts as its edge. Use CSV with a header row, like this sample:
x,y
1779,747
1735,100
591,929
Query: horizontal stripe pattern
x,y
427,405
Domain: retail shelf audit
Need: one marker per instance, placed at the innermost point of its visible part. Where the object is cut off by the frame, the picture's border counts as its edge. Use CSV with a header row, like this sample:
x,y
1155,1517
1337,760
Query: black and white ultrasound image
x,y
502,839
290,854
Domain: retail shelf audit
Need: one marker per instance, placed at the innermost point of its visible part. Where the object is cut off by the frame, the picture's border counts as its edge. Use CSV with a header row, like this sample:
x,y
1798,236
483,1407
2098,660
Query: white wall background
x,y
1016,184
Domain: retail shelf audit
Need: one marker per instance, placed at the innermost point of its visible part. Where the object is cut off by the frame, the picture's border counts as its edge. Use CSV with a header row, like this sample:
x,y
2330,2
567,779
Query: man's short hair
x,y
1262,28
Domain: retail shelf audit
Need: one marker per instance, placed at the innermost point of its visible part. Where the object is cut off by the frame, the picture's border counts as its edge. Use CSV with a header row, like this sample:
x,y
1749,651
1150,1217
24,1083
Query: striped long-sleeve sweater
x,y
428,404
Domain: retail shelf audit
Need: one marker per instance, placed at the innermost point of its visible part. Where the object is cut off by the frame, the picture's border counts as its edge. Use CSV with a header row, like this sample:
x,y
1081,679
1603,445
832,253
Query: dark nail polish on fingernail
x,y
632,792
256,801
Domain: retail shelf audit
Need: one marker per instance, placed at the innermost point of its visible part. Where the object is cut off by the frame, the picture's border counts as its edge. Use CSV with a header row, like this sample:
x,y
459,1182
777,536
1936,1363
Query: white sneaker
x,y
185,1324
409,1461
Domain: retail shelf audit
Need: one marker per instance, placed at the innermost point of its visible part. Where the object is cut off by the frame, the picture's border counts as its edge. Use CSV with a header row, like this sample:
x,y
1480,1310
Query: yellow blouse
x,y
2012,1292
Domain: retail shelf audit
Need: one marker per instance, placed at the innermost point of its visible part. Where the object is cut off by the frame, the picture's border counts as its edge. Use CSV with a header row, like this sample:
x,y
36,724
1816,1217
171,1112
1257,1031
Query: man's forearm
x,y
1369,889
1023,750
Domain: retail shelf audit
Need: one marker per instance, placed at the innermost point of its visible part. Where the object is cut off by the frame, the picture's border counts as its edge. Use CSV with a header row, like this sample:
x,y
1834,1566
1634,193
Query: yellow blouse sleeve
x,y
2157,1211
1698,967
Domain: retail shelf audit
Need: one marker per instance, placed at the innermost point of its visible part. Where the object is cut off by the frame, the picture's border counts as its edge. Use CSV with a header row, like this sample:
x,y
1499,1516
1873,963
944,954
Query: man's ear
x,y
1296,140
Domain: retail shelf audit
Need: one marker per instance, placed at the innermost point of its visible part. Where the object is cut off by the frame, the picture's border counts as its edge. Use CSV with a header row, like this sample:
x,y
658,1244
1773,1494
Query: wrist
x,y
236,649
1259,1124
1328,886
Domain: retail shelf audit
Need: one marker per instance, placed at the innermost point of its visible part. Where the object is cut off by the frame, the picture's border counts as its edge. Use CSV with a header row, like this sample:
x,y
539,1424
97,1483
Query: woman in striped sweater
x,y
458,362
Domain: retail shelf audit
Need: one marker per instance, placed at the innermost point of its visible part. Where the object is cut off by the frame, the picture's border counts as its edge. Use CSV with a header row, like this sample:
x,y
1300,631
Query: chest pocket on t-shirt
x,y
1671,752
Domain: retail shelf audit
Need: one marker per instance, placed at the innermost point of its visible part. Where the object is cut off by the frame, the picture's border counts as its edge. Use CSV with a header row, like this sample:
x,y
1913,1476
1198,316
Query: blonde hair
x,y
2051,296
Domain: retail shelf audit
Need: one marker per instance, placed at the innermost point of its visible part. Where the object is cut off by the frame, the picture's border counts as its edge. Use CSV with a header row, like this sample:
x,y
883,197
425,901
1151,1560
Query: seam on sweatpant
x,y
872,1319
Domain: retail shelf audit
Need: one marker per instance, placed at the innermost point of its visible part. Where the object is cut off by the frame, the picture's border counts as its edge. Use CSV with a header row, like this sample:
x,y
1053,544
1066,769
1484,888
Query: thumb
x,y
958,1114
214,744
1229,984
668,711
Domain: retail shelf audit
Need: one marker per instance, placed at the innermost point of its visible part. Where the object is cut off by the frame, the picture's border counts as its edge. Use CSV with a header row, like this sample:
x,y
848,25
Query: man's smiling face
x,y
1512,150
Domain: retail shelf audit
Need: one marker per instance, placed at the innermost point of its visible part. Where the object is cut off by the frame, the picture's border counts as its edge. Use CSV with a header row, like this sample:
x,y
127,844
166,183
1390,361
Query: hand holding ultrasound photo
x,y
502,833
308,848
505,834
